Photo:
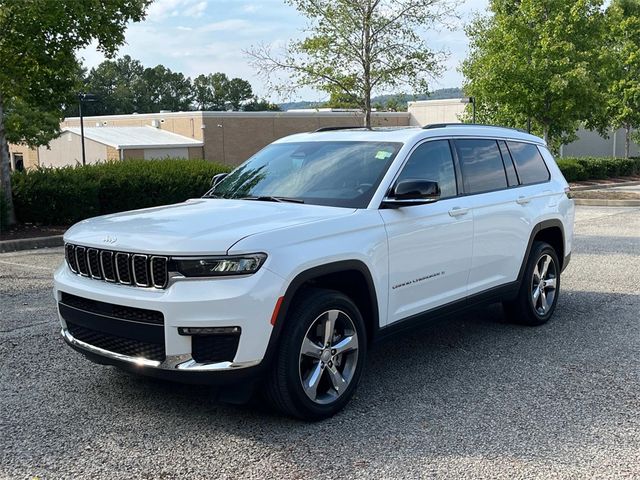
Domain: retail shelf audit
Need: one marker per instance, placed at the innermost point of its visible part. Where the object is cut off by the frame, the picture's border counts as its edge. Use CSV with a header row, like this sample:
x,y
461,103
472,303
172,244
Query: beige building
x,y
226,137
425,112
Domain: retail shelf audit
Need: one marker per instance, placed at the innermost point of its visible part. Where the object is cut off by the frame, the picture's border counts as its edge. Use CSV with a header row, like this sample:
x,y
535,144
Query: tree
x,y
537,61
260,105
623,67
39,68
357,47
238,92
118,85
162,89
211,91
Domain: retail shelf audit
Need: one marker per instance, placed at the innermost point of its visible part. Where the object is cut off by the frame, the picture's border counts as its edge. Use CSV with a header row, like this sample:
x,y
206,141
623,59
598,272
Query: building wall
x,y
591,144
157,153
436,111
133,153
229,137
67,150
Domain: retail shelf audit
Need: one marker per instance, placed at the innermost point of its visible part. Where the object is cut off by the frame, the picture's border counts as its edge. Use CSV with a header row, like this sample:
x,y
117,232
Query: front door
x,y
429,245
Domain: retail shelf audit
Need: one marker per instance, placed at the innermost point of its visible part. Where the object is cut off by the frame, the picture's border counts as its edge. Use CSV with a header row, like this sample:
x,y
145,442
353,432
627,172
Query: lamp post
x,y
84,97
472,101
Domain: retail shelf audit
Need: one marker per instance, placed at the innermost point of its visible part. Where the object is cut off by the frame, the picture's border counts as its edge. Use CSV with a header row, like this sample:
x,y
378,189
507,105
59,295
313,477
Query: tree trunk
x,y
367,65
627,141
5,167
545,130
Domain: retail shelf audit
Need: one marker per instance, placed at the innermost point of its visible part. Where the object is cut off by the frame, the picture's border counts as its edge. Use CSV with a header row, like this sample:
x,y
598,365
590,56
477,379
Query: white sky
x,y
200,36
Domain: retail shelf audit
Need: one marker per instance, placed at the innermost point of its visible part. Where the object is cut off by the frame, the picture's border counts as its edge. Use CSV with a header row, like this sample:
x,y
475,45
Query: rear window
x,y
481,164
529,163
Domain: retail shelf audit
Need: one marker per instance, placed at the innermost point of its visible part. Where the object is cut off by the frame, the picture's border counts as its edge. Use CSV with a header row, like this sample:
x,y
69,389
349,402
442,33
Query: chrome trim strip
x,y
118,270
172,362
99,276
113,265
70,339
166,271
133,269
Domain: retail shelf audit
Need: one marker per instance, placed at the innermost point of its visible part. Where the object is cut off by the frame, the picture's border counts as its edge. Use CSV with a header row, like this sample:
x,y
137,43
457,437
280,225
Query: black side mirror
x,y
217,179
412,192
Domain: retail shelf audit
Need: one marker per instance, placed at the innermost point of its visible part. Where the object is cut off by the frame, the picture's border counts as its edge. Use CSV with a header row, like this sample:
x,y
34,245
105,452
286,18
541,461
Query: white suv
x,y
285,273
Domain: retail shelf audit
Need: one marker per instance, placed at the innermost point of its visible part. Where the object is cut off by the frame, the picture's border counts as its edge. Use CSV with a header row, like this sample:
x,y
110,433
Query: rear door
x,y
429,245
501,225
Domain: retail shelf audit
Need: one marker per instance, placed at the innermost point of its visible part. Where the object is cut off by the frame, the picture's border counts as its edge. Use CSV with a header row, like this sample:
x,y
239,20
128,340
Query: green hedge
x,y
594,168
63,196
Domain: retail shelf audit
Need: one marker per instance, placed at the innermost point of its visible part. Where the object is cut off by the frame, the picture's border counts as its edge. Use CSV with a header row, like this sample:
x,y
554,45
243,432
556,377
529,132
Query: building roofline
x,y
205,114
117,146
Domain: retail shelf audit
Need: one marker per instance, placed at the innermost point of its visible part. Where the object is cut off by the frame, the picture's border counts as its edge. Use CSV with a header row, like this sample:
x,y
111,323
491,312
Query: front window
x,y
340,174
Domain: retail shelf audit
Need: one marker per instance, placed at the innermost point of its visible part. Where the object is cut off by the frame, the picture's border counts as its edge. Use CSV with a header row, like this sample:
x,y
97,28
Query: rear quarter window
x,y
529,163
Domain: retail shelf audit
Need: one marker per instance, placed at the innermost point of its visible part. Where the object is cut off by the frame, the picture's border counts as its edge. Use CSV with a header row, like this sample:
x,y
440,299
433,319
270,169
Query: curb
x,y
30,243
602,186
599,202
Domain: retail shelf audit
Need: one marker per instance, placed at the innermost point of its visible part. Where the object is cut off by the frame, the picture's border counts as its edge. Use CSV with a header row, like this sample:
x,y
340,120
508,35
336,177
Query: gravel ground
x,y
472,398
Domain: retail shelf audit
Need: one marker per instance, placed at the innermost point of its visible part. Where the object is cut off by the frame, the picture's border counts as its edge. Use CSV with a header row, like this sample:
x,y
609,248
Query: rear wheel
x,y
321,356
538,294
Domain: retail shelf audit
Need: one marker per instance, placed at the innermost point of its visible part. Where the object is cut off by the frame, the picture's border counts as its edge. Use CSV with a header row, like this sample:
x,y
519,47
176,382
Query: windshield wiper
x,y
268,198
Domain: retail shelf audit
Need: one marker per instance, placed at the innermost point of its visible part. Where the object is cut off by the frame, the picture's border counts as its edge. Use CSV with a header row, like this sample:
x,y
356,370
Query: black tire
x,y
284,388
526,309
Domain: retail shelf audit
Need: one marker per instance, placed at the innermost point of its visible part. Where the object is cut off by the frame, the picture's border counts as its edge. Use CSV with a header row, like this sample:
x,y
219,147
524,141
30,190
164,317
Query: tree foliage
x,y
538,61
355,48
38,42
623,67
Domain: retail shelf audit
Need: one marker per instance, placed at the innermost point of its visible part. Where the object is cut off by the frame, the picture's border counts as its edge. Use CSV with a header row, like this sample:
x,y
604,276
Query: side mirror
x,y
217,179
412,192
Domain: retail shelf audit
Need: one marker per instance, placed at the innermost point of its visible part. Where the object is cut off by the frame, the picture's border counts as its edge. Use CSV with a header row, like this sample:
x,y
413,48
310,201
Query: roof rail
x,y
331,129
444,125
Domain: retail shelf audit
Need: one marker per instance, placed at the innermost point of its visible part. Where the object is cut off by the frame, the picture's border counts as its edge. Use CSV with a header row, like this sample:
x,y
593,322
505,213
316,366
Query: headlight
x,y
219,266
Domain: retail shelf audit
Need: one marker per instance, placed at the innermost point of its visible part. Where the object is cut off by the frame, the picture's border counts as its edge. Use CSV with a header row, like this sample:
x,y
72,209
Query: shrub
x,y
572,170
595,168
62,196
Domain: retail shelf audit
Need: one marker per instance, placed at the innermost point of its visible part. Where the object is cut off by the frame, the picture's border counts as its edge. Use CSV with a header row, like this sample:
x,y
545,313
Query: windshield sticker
x,y
383,155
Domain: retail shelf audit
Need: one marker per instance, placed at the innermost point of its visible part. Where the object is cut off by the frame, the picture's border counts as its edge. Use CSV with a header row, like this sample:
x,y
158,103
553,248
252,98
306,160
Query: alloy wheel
x,y
328,356
543,284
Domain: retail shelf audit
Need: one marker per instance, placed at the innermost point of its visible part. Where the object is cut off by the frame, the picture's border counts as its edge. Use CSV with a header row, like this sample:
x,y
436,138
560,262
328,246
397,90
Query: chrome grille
x,y
140,270
118,267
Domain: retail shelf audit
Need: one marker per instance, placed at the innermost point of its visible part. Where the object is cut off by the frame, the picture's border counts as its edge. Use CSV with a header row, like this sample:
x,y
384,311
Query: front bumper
x,y
246,302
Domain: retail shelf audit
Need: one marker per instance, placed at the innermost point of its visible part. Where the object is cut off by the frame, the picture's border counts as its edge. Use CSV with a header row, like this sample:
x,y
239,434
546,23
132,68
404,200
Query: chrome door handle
x,y
458,212
523,200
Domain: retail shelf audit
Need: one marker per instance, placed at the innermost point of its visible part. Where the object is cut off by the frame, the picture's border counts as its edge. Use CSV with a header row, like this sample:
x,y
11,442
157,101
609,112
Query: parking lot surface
x,y
474,397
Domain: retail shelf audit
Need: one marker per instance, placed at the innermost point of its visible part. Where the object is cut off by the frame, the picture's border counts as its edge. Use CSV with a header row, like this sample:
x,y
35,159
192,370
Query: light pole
x,y
472,101
84,97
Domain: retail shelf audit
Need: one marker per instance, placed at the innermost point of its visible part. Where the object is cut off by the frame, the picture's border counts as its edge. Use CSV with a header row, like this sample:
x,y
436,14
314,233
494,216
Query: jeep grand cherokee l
x,y
322,243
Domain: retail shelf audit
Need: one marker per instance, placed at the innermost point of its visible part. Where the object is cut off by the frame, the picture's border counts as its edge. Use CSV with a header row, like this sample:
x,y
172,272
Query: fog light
x,y
209,330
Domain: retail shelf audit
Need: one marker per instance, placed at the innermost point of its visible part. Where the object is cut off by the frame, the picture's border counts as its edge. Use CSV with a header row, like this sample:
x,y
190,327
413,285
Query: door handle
x,y
458,212
523,200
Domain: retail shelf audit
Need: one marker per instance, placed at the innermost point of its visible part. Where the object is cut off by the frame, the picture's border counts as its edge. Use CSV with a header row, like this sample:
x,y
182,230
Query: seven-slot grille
x,y
118,267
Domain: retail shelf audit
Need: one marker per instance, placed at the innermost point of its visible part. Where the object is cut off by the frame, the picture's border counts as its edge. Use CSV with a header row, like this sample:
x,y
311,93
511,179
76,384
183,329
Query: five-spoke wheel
x,y
321,355
329,356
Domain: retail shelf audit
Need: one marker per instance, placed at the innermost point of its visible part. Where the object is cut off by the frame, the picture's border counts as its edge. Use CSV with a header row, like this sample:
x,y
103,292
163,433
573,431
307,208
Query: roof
x,y
135,137
414,134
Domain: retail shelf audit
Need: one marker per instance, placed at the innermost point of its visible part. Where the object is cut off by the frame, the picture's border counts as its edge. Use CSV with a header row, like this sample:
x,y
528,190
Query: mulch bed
x,y
29,230
606,195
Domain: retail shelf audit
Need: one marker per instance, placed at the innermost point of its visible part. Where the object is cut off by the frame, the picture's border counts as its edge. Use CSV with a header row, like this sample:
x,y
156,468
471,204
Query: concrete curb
x,y
30,243
602,186
600,202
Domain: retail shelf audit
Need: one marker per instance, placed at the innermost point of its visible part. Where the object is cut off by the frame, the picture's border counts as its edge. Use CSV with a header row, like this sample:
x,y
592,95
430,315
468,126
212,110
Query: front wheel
x,y
321,356
538,294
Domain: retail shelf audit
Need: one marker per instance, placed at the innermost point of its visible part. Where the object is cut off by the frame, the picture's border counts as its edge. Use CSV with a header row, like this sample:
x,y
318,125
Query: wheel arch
x,y
549,231
351,277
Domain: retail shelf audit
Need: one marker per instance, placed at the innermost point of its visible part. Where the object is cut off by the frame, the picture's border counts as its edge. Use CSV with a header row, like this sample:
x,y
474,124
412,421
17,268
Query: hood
x,y
199,226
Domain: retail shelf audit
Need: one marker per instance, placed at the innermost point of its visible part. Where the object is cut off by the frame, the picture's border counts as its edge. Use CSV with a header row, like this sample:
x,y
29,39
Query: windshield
x,y
340,174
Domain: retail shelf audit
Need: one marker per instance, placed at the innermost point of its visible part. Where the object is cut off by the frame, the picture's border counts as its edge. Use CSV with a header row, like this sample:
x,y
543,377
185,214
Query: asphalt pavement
x,y
474,397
